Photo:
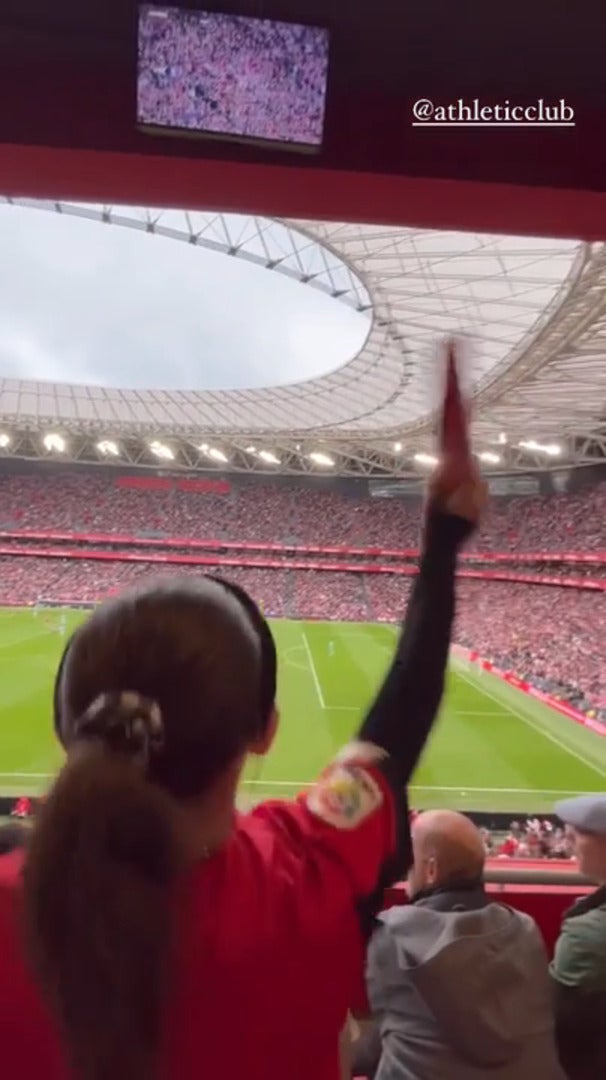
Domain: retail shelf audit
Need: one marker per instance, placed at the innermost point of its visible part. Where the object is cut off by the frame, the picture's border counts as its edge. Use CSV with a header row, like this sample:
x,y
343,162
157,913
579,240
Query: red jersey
x,y
22,808
509,846
270,951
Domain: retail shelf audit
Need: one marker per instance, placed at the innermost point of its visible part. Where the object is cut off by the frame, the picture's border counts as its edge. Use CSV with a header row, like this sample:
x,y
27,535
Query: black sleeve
x,y
400,718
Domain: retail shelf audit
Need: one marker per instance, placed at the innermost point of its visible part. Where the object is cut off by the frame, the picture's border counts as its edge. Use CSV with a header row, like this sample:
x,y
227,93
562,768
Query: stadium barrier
x,y
512,679
128,540
543,890
219,559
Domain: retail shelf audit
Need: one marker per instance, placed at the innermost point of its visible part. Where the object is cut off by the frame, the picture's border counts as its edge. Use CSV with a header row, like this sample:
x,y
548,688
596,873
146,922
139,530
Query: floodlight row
x,y
54,442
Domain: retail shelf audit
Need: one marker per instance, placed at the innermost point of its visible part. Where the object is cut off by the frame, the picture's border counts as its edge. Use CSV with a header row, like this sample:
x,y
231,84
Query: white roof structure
x,y
533,309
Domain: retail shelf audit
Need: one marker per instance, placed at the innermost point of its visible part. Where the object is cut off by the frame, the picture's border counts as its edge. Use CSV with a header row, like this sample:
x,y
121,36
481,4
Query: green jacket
x,y
579,973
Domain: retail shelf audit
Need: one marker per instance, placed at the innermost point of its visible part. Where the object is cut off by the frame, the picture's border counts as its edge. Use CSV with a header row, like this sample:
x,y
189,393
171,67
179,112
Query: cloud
x,y
90,303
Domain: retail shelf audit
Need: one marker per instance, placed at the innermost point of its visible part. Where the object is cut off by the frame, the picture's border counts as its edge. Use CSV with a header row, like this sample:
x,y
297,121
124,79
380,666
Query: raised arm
x,y
400,718
355,819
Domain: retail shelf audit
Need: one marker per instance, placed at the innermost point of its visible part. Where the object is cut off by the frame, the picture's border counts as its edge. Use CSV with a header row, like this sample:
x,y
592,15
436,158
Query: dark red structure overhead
x,y
67,126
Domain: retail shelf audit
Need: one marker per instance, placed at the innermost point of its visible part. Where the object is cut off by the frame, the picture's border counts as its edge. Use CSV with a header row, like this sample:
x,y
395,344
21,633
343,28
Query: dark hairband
x,y
269,661
58,719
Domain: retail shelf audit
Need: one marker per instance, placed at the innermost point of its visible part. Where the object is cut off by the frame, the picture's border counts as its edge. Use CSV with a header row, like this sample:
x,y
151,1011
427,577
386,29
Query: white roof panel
x,y
523,303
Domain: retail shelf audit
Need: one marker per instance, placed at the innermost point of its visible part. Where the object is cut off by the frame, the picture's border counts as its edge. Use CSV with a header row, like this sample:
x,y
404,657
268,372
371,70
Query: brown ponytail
x,y
158,693
97,899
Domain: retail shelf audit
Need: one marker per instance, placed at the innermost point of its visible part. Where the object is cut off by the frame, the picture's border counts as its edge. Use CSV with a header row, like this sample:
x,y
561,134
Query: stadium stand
x,y
553,637
554,523
82,502
339,596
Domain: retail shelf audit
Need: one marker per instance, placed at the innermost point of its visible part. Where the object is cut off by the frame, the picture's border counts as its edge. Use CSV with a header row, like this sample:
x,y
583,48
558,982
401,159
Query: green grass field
x,y
492,749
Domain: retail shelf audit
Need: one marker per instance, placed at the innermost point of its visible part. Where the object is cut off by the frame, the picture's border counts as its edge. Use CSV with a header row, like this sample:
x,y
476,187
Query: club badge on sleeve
x,y
345,796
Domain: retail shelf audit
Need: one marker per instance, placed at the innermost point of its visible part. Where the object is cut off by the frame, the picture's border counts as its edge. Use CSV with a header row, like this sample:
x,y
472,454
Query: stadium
x,y
309,494
236,248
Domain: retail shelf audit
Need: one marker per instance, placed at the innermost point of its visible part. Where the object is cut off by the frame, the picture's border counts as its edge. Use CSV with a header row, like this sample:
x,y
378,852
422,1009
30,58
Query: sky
x,y
104,305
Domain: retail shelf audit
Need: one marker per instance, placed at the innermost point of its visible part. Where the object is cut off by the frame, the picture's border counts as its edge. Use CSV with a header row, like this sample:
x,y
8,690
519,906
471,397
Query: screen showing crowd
x,y
232,76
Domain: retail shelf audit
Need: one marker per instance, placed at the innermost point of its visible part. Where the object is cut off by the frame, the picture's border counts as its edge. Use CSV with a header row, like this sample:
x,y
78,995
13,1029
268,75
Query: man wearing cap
x,y
579,965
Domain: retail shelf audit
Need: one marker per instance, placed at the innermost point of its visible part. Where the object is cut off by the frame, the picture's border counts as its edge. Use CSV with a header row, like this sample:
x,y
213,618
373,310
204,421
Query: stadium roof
x,y
534,310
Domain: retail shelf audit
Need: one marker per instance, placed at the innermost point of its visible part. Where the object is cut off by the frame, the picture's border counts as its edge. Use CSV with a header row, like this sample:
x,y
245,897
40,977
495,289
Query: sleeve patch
x,y
345,796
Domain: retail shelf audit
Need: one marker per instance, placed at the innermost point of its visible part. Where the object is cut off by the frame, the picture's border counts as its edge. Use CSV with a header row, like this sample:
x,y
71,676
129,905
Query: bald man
x,y
459,984
446,846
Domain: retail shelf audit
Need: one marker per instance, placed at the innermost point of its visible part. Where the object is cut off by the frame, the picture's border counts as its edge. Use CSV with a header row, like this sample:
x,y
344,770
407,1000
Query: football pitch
x,y
493,748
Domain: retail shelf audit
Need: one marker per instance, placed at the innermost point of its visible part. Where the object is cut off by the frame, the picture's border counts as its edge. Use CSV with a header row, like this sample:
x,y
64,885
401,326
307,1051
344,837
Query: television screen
x,y
231,76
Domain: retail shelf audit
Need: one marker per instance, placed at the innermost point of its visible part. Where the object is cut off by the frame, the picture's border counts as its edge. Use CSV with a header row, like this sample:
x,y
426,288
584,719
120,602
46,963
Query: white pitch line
x,y
314,673
500,791
27,775
533,724
465,712
306,783
428,787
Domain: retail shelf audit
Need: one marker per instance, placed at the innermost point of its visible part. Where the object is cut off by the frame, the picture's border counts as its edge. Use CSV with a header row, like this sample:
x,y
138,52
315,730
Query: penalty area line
x,y
536,725
471,712
314,674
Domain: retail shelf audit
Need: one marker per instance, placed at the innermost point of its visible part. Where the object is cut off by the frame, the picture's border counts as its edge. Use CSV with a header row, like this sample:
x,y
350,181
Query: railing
x,y
597,558
212,553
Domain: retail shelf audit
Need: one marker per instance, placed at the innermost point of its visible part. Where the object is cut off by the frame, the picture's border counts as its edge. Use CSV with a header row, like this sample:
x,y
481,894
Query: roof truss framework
x,y
534,309
350,459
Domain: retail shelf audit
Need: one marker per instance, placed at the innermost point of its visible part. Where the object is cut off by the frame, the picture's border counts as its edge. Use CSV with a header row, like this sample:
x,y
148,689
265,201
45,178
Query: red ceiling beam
x,y
40,172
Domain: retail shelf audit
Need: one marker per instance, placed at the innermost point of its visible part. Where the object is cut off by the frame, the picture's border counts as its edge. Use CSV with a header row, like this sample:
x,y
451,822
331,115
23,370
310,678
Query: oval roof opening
x,y
93,304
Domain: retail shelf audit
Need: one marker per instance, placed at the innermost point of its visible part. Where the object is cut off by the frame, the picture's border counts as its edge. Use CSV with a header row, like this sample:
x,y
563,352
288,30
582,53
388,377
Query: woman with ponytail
x,y
149,931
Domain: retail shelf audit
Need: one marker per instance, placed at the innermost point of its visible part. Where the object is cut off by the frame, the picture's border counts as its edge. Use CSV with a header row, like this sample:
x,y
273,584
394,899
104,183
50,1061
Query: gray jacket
x,y
462,992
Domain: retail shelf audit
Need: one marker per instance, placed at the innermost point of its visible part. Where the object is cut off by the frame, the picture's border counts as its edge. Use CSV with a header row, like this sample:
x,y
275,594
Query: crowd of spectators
x,y
551,637
338,595
555,523
530,839
222,73
385,594
29,580
81,502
